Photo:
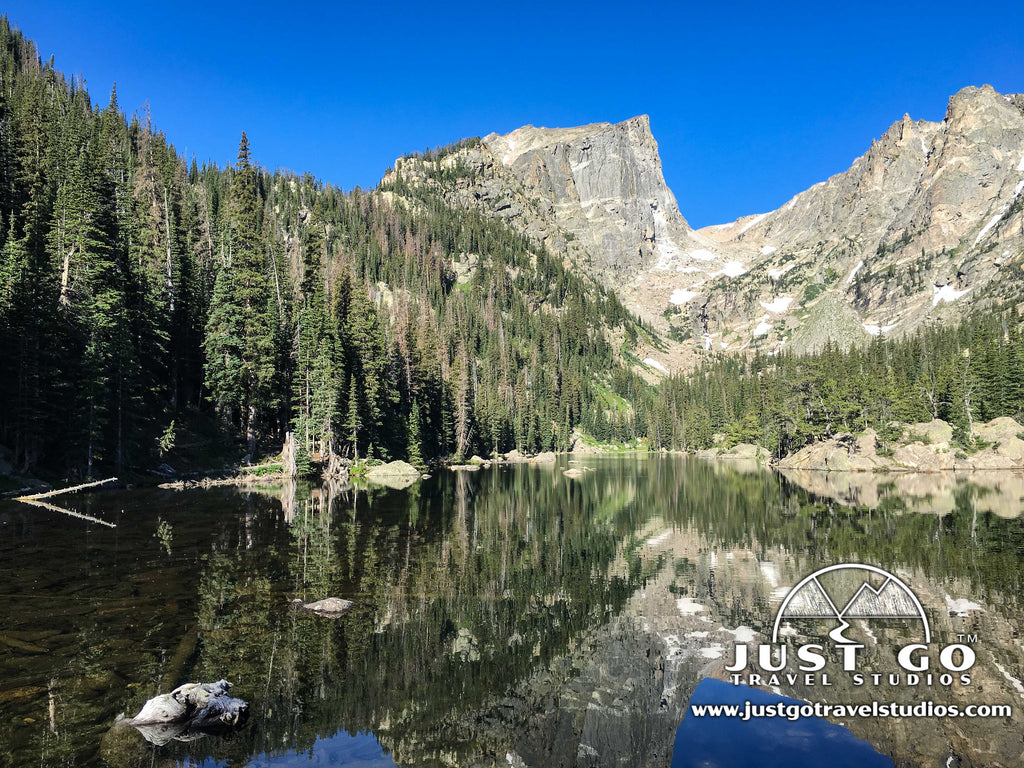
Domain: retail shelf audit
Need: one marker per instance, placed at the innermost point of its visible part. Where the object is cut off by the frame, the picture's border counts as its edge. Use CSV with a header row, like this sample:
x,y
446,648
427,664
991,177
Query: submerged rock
x,y
329,607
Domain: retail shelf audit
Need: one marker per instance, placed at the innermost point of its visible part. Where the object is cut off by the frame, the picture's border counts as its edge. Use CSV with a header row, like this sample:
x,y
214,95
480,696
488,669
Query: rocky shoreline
x,y
923,447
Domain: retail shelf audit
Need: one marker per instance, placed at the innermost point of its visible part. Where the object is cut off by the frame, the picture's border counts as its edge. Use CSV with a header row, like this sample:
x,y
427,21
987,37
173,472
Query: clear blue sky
x,y
750,103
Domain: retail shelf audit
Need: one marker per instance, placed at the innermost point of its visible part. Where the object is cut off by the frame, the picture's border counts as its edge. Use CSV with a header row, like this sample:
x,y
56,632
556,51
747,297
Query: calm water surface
x,y
509,616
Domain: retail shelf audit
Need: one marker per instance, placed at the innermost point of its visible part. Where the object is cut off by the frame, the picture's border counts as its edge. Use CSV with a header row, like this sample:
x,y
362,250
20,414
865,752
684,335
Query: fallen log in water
x,y
34,500
72,489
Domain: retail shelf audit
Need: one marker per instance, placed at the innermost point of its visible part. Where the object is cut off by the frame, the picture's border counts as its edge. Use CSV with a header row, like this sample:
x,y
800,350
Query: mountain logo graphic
x,y
876,594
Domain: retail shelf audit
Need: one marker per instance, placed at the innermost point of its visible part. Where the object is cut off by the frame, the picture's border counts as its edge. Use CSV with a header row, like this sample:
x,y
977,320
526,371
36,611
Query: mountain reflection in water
x,y
509,616
725,742
343,749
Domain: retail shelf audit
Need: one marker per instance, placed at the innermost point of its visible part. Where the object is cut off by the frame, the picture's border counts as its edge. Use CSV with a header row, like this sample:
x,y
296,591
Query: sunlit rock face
x,y
604,184
927,224
593,194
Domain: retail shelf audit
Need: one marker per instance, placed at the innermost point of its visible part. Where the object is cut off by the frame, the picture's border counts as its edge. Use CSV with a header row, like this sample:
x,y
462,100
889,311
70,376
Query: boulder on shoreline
x,y
393,469
395,474
581,447
741,452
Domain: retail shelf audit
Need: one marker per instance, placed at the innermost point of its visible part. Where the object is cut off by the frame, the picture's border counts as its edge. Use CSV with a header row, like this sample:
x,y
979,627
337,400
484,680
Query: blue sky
x,y
750,103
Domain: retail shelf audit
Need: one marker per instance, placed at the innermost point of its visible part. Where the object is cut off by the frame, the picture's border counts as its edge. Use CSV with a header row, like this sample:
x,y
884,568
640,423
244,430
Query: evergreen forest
x,y
147,301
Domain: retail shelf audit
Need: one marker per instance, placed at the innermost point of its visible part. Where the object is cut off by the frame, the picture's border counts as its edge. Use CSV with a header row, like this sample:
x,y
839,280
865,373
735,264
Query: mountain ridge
x,y
930,214
928,220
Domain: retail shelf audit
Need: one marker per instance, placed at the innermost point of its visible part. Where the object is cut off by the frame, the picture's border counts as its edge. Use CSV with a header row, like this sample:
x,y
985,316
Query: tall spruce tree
x,y
249,388
317,379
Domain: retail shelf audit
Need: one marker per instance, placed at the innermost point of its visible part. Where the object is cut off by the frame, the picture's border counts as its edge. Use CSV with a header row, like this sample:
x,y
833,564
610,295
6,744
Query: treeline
x,y
962,374
142,296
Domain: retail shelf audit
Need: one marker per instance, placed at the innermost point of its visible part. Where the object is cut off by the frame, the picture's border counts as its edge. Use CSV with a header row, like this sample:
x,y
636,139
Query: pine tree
x,y
223,347
414,449
241,366
316,382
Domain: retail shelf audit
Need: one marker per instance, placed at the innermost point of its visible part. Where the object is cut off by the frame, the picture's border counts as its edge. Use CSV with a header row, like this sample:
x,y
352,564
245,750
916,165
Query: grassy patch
x,y
362,466
610,400
638,444
811,292
264,469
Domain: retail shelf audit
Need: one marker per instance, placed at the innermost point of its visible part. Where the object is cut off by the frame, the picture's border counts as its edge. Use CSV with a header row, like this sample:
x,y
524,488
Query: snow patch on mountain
x,y
681,296
778,304
853,272
650,361
752,222
731,269
778,272
984,230
703,254
946,293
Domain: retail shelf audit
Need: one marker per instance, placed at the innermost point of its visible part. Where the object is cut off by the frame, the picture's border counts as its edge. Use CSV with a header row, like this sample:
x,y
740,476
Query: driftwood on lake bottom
x,y
189,712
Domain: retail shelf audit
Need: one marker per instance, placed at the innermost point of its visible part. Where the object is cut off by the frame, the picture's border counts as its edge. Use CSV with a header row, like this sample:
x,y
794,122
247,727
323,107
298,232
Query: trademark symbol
x,y
967,638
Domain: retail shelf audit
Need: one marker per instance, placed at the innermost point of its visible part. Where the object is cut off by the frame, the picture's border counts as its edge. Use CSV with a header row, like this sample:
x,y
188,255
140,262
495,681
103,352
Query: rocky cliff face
x,y
603,184
594,194
929,222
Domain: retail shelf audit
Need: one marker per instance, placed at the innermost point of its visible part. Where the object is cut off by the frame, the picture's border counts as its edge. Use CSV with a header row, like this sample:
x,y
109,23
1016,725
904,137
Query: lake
x,y
508,616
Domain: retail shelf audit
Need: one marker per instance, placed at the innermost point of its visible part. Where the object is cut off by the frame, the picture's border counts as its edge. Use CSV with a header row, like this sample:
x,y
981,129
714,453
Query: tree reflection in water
x,y
486,604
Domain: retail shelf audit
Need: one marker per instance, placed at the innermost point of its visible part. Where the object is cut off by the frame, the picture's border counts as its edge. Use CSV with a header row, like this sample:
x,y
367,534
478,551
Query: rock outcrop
x,y
594,194
739,452
603,184
329,607
923,448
